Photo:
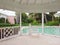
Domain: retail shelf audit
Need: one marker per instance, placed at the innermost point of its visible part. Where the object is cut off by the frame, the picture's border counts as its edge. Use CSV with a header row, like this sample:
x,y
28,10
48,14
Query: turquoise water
x,y
52,30
47,30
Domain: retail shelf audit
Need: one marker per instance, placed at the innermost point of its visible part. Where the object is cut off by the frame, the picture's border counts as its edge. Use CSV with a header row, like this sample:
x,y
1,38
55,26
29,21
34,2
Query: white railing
x,y
9,32
6,32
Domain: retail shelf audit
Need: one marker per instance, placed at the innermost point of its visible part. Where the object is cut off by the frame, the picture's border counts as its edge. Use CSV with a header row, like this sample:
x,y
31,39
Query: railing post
x,y
42,23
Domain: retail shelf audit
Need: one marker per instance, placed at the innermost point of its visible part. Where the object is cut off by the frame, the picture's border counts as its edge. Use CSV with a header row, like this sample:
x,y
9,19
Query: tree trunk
x,y
45,18
52,18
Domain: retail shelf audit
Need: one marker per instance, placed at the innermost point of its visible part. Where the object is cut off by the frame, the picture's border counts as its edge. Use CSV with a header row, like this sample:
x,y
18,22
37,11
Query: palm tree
x,y
52,14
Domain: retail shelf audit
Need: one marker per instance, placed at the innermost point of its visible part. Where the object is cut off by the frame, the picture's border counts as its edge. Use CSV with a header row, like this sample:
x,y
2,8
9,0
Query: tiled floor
x,y
32,40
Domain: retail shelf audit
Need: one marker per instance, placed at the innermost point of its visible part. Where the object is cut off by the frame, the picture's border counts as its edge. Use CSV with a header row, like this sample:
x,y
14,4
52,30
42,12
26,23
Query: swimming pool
x,y
53,30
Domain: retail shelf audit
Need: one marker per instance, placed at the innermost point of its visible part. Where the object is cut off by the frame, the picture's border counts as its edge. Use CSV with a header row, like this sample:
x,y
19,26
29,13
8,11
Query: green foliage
x,y
30,20
2,20
7,21
25,24
52,13
59,20
7,25
35,22
36,19
24,18
52,23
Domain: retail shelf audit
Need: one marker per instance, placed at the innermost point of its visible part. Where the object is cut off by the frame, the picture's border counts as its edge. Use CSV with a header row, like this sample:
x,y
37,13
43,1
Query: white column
x,y
20,19
20,24
42,23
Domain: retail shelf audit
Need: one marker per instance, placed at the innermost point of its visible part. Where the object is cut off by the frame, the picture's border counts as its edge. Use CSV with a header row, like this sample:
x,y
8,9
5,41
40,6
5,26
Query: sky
x,y
27,14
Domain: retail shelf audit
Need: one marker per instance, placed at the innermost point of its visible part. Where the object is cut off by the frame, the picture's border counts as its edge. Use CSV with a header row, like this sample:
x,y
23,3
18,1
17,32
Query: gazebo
x,y
29,6
36,6
6,14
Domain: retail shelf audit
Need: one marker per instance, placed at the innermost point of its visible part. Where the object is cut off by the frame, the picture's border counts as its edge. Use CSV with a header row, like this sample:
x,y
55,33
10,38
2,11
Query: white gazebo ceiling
x,y
31,5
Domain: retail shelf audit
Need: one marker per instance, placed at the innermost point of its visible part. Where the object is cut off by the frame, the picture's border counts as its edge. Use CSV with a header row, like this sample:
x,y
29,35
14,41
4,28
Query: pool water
x,y
52,30
47,30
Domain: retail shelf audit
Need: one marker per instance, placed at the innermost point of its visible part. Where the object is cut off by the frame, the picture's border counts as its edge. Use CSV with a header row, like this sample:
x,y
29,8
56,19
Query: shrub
x,y
30,20
25,24
2,20
52,23
35,22
7,25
